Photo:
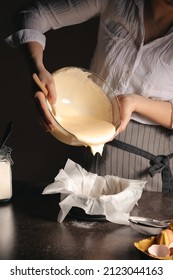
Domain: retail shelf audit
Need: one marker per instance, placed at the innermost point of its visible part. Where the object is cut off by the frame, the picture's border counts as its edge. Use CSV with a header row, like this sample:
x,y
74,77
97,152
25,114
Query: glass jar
x,y
5,174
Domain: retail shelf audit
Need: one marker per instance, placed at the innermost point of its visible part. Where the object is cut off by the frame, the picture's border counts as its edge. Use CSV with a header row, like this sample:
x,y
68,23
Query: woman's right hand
x,y
34,54
45,117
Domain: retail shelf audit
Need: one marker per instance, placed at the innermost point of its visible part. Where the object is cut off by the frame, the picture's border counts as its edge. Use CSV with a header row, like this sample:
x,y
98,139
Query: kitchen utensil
x,y
148,226
43,89
82,98
149,222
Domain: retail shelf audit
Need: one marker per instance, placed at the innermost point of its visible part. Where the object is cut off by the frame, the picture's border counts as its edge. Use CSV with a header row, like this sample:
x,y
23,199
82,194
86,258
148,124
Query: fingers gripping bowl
x,y
84,114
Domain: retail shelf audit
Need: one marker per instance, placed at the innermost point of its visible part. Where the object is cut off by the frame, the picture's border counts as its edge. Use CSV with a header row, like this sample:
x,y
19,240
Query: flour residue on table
x,y
82,224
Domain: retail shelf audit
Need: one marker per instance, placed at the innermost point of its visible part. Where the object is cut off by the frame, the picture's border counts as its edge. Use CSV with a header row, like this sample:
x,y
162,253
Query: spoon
x,y
149,222
43,89
6,134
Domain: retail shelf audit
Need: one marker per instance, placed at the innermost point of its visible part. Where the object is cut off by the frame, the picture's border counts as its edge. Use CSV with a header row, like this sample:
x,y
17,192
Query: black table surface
x,y
29,228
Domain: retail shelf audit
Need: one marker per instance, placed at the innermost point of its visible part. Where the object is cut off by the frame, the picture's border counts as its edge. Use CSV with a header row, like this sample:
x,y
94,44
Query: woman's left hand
x,y
127,107
157,111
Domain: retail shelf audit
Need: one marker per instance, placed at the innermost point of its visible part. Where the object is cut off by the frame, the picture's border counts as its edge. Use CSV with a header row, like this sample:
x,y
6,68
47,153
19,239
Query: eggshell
x,y
171,225
158,250
165,237
144,244
171,248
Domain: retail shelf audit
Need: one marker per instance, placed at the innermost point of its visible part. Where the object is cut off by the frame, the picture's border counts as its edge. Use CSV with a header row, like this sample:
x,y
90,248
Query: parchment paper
x,y
108,195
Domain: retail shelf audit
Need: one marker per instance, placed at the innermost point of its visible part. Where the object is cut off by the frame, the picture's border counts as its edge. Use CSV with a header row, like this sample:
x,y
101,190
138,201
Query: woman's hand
x,y
157,111
34,54
45,116
127,107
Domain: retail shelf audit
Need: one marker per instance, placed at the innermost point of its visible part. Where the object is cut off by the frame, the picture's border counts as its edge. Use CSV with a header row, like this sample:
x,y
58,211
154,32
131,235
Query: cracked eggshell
x,y
157,250
171,225
171,248
165,237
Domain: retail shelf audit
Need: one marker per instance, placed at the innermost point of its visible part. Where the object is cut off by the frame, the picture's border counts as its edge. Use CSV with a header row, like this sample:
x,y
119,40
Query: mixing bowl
x,y
84,113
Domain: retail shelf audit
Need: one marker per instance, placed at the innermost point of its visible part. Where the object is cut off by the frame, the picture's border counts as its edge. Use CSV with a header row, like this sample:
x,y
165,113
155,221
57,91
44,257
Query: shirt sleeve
x,y
35,20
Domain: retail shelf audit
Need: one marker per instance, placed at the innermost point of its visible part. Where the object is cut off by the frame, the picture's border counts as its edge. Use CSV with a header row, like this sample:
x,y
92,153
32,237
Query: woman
x,y
134,55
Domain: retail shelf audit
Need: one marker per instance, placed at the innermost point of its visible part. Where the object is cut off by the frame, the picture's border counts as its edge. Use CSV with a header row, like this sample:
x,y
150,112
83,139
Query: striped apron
x,y
141,152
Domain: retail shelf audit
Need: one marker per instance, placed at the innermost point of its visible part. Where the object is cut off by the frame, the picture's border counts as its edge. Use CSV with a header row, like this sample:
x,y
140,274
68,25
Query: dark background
x,y
37,155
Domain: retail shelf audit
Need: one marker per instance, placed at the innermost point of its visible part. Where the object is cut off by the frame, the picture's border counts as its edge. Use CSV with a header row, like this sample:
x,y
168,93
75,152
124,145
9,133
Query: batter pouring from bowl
x,y
134,56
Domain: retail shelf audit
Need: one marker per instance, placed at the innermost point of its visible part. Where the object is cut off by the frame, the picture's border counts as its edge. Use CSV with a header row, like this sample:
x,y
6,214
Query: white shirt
x,y
120,57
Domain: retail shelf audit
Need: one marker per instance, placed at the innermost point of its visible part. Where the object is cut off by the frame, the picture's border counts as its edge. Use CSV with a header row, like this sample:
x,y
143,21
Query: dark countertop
x,y
29,228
